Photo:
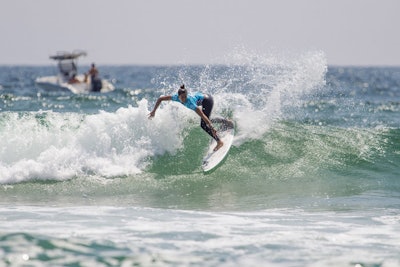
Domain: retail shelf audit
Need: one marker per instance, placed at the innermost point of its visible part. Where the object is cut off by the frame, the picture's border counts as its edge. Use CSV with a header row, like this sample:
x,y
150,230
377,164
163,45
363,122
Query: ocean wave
x,y
290,123
59,146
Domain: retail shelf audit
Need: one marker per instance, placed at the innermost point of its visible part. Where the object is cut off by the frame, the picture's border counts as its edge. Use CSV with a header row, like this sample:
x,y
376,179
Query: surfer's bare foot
x,y
219,145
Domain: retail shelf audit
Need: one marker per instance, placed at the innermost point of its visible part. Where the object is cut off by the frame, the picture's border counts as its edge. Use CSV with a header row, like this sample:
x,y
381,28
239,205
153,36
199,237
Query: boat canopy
x,y
68,55
67,63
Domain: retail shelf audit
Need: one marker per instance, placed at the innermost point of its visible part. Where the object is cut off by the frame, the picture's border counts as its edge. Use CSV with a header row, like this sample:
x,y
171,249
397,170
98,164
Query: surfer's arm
x,y
204,118
159,100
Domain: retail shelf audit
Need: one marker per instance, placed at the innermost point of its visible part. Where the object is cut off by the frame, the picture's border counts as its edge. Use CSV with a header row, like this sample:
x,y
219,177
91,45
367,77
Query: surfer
x,y
194,102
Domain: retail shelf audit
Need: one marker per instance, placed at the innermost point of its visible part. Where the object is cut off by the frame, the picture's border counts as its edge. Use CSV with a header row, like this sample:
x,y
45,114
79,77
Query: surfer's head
x,y
182,90
182,93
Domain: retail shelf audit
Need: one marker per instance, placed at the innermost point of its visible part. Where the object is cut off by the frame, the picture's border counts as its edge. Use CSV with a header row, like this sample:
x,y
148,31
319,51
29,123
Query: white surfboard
x,y
214,158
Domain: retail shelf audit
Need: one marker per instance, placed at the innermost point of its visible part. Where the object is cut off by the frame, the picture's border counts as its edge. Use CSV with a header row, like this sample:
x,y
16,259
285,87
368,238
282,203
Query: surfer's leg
x,y
216,137
207,107
208,104
208,130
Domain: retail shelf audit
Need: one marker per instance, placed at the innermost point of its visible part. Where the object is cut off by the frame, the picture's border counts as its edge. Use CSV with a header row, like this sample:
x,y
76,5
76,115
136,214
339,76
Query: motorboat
x,y
69,79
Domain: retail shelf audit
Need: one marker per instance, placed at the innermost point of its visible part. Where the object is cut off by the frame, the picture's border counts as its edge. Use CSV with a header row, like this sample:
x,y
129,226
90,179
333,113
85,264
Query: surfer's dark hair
x,y
182,90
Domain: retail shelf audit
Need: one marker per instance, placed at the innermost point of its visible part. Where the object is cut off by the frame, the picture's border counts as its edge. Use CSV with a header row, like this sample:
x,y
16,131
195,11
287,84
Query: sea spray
x,y
256,89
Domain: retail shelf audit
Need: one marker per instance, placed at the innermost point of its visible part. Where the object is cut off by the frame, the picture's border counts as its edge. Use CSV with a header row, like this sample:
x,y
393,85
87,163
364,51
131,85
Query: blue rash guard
x,y
199,99
192,101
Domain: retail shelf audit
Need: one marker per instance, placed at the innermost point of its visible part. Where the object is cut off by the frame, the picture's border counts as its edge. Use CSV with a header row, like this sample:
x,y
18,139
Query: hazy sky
x,y
349,32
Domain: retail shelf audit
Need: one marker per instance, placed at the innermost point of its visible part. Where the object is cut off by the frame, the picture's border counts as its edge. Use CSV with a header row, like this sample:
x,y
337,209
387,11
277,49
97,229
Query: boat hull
x,y
54,83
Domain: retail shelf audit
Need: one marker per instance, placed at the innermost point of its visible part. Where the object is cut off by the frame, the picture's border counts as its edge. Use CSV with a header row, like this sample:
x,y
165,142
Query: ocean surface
x,y
312,179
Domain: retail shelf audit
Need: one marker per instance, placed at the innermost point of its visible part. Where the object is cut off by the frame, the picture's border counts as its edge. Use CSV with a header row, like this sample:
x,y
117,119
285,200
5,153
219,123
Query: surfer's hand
x,y
152,114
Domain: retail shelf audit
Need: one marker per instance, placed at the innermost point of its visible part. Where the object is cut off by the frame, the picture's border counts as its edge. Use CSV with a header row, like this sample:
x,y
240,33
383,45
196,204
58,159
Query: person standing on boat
x,y
94,78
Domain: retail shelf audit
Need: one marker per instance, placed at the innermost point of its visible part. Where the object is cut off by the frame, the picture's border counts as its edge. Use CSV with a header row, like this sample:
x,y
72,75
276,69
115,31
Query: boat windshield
x,y
67,63
67,68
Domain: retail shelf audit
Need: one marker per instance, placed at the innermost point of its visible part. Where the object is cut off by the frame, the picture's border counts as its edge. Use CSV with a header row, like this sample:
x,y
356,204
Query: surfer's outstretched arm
x,y
159,100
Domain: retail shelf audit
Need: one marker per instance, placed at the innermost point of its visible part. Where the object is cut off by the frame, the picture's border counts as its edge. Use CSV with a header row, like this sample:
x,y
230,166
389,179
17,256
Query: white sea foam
x,y
49,145
277,237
